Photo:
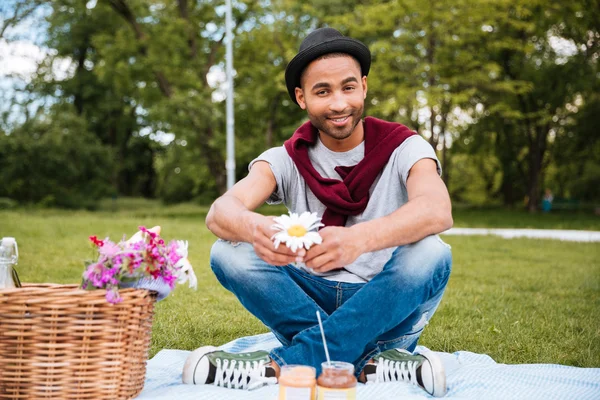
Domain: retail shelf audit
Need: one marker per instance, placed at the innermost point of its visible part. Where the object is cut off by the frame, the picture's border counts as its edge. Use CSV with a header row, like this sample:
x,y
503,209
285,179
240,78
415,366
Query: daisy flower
x,y
295,230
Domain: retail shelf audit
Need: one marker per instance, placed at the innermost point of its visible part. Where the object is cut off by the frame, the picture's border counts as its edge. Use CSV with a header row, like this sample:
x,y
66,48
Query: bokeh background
x,y
104,99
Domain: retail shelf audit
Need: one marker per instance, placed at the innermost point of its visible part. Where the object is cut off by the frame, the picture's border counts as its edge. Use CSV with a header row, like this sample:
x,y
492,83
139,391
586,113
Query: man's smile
x,y
339,120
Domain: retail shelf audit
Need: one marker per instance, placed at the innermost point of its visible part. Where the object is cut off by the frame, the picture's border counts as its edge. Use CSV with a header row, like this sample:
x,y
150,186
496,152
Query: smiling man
x,y
381,270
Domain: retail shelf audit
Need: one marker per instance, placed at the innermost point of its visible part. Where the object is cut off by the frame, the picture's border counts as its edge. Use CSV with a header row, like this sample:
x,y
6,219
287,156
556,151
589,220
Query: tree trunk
x,y
78,102
445,164
433,139
215,162
536,158
505,152
122,8
534,183
445,158
184,14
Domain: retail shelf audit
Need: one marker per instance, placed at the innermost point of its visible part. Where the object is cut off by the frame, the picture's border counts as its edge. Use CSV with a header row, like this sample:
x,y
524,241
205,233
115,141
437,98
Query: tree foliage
x,y
55,163
505,91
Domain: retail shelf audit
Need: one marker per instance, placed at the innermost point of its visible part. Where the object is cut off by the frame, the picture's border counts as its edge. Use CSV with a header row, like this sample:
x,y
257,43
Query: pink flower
x,y
109,249
113,296
149,257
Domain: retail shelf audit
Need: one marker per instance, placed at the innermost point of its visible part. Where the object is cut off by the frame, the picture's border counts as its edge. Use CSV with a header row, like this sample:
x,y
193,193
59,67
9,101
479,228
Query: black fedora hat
x,y
318,43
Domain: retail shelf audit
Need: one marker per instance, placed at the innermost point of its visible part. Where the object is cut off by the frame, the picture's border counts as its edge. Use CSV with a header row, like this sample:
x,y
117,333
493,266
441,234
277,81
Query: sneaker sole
x,y
192,362
439,382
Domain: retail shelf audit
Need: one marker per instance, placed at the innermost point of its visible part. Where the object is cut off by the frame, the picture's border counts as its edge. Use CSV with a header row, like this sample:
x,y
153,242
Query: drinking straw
x,y
323,336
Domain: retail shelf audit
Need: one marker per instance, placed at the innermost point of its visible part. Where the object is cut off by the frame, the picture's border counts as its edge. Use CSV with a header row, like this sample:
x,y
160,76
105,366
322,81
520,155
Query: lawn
x,y
520,301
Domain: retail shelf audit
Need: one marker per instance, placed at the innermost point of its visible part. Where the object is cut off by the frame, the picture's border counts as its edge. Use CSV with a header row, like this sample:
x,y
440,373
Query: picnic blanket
x,y
469,376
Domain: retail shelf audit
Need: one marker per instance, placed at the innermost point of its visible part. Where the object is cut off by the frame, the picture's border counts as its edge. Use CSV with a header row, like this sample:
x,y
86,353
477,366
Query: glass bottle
x,y
337,381
297,382
9,255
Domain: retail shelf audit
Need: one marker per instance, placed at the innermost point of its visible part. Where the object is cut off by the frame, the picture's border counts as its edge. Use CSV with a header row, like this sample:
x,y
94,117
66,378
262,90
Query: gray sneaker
x,y
423,369
207,365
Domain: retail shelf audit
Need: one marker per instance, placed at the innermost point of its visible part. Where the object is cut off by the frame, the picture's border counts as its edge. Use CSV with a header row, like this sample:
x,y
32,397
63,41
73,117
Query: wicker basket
x,y
60,342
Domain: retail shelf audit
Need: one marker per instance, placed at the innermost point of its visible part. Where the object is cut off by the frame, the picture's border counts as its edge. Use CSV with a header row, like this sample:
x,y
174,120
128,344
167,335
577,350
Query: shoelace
x,y
393,371
242,375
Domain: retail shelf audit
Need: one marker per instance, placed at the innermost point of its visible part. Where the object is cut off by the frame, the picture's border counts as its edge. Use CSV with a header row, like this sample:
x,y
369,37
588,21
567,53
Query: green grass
x,y
520,301
502,218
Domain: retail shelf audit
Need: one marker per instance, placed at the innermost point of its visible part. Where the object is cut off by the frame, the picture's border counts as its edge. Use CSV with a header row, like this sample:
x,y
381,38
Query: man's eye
x,y
321,92
350,88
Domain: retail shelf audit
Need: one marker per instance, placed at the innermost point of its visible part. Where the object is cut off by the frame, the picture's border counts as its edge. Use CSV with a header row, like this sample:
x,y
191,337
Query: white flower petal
x,y
313,237
305,217
186,273
182,248
315,225
278,227
284,220
295,243
310,221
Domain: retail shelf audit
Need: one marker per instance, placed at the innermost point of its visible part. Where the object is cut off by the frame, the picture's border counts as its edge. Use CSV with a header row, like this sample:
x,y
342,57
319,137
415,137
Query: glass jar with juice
x,y
337,381
297,382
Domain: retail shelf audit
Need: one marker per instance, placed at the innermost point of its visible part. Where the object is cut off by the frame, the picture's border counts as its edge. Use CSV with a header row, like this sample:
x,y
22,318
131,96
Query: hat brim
x,y
338,45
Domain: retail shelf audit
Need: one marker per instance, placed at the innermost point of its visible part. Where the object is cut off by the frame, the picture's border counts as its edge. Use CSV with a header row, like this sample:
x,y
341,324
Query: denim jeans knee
x,y
231,260
427,262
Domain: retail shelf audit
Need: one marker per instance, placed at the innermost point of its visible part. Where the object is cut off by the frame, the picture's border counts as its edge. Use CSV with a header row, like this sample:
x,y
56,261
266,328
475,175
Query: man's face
x,y
333,94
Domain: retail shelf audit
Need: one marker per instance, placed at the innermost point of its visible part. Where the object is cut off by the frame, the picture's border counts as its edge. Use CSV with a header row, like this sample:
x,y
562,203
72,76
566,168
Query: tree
x,y
55,162
544,82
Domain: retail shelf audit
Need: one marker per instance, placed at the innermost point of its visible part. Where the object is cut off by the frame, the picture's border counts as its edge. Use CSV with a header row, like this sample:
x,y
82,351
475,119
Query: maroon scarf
x,y
350,196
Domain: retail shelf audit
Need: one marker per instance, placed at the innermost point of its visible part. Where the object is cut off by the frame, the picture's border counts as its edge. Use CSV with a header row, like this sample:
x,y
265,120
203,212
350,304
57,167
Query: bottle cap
x,y
8,240
10,248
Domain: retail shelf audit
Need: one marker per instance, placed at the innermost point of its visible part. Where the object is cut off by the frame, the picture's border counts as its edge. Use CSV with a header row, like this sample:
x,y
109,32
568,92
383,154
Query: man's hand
x,y
264,246
340,247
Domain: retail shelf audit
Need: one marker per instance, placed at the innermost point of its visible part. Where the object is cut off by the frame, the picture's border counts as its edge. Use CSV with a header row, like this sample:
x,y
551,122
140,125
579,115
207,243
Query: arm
x,y
428,211
232,217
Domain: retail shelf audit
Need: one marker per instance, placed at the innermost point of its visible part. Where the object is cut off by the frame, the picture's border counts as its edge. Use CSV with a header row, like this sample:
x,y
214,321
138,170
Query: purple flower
x,y
148,258
113,296
109,250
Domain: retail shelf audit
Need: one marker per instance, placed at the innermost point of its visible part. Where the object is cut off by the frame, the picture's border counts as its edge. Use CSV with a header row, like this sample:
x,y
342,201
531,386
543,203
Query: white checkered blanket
x,y
469,376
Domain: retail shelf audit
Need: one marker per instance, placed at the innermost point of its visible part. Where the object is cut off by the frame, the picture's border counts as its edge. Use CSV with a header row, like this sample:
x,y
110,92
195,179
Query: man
x,y
380,271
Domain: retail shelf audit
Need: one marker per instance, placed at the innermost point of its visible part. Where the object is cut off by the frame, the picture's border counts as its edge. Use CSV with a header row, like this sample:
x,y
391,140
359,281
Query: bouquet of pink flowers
x,y
144,261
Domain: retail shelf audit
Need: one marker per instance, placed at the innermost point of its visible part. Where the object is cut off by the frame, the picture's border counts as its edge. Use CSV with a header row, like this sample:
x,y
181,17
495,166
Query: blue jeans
x,y
360,320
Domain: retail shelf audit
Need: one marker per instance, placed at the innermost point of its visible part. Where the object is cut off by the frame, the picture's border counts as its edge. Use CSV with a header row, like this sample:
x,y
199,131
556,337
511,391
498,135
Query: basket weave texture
x,y
61,342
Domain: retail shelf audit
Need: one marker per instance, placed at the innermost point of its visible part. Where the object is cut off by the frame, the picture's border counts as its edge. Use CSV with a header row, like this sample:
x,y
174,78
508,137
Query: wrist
x,y
250,221
360,238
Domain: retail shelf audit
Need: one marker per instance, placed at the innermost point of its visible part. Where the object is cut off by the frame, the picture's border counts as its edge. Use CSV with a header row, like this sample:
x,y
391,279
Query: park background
x,y
112,115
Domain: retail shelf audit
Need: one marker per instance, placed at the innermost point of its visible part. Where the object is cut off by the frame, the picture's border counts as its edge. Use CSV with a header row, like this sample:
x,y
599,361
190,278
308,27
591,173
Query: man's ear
x,y
364,85
300,98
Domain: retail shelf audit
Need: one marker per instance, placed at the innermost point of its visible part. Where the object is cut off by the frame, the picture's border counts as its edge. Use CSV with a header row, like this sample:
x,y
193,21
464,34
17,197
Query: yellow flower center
x,y
296,230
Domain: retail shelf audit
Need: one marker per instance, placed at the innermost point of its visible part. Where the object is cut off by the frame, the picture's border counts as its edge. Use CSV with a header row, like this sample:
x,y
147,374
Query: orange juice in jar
x,y
297,382
337,381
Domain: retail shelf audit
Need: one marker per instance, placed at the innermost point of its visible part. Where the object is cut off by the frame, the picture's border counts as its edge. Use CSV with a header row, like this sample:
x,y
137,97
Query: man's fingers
x,y
319,261
281,255
266,228
284,250
331,265
314,251
267,243
276,259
